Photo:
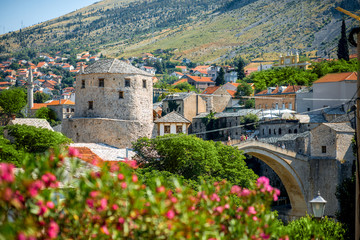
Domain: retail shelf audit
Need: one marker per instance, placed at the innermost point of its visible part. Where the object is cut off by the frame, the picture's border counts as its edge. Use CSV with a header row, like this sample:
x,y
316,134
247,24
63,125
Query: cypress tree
x,y
220,79
343,49
240,69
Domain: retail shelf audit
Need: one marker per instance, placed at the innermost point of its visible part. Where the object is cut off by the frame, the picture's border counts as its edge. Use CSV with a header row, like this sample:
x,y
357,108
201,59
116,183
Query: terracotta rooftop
x,y
210,90
180,81
338,77
200,79
231,92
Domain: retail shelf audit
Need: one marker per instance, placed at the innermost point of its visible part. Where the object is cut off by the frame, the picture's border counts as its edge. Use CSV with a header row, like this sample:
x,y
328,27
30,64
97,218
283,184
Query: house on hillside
x,y
172,123
148,69
183,68
291,60
200,83
331,90
217,99
281,97
187,105
177,74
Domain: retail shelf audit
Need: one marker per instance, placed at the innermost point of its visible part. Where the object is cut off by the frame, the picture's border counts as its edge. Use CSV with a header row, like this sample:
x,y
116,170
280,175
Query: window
x,y
269,131
283,106
274,131
68,110
195,125
166,129
91,105
290,106
323,149
308,109
276,106
127,82
178,129
295,131
82,83
279,131
263,131
72,110
121,94
290,131
144,83
101,82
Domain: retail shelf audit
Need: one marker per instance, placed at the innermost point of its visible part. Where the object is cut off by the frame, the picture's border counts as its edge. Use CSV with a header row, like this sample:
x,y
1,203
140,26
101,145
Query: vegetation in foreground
x,y
113,203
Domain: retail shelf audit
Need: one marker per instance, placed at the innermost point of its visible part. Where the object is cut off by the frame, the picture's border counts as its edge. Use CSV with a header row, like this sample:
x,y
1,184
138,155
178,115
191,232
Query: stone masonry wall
x,y
114,132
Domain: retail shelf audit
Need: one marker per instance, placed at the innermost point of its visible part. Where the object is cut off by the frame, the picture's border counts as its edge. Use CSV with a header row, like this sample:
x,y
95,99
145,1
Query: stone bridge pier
x,y
301,175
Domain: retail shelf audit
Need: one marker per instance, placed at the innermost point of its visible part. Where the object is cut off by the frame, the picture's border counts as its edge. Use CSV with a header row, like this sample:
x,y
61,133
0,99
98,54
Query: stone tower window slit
x,y
127,82
91,105
101,82
121,94
82,83
144,83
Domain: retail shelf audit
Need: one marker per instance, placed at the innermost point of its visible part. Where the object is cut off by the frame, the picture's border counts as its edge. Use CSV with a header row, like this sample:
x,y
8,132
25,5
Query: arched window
x,y
290,131
274,131
269,131
279,131
263,131
295,131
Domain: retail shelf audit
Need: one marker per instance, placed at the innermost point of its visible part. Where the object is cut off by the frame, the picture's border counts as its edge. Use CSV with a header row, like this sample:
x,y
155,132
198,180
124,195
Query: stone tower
x,y
113,104
30,91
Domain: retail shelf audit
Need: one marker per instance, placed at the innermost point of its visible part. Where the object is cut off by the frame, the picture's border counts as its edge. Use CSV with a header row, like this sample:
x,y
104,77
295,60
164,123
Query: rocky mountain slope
x,y
202,30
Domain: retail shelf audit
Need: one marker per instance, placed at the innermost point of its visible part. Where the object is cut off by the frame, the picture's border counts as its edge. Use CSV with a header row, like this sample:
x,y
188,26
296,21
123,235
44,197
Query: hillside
x,y
202,30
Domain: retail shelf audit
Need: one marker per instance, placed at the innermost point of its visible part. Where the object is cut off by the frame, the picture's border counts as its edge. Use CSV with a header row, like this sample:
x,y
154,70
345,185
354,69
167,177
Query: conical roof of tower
x,y
113,66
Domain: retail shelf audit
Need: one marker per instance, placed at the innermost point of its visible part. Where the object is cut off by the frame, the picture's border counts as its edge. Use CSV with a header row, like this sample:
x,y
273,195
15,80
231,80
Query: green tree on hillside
x,y
220,79
12,100
240,69
343,48
244,89
48,114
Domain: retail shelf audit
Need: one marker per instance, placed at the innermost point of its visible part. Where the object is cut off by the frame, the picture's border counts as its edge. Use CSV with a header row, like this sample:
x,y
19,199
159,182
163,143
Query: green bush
x,y
35,140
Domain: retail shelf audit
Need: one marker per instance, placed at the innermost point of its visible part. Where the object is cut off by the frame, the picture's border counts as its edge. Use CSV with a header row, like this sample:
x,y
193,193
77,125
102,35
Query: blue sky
x,y
17,13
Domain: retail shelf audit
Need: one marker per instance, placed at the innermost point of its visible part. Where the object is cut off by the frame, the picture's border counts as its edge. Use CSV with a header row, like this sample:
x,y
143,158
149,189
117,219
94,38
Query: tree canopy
x,y
220,79
40,97
194,158
240,69
12,100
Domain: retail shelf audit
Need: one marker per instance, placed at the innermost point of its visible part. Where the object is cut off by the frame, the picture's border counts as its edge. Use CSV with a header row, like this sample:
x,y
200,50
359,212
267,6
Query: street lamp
x,y
318,206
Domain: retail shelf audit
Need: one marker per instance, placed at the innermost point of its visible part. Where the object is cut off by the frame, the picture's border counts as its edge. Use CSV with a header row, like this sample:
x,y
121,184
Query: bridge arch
x,y
284,167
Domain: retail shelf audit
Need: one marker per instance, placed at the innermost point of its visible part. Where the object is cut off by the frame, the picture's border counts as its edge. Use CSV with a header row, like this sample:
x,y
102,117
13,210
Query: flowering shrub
x,y
114,204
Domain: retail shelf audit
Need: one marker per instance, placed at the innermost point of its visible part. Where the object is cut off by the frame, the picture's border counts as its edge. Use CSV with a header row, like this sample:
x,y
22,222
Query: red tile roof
x,y
210,90
235,84
292,89
63,101
180,81
201,68
262,92
231,92
39,105
200,79
338,77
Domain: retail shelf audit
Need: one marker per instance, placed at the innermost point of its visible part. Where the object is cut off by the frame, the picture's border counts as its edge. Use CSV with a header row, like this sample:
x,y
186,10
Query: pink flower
x,y
219,209
251,210
131,163
215,197
245,192
7,172
105,230
53,230
121,220
114,207
170,214
173,199
121,176
264,236
262,181
227,206
49,180
35,187
42,208
50,205
160,189
7,194
254,218
103,204
276,194
90,203
73,152
123,185
94,194
235,189
114,168
21,236
134,178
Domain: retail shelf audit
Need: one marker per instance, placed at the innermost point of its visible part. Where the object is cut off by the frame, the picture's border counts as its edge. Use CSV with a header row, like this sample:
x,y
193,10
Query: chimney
x,y
82,71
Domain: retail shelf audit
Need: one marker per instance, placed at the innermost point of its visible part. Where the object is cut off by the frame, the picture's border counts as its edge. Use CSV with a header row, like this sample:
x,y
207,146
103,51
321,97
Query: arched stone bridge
x,y
294,171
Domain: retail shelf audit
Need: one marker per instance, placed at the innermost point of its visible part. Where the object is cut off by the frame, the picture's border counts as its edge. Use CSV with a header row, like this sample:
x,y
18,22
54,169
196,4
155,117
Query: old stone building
x,y
217,99
188,105
113,104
